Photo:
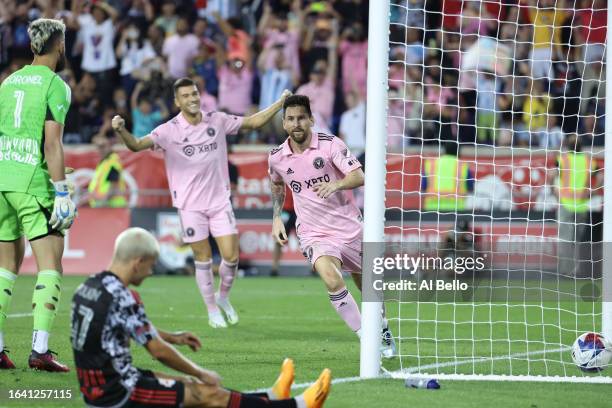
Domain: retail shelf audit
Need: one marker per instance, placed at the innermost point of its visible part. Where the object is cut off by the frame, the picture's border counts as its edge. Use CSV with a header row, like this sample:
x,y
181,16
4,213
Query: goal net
x,y
495,152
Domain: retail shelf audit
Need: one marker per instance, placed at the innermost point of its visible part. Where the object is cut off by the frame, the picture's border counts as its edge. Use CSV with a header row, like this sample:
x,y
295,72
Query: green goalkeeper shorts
x,y
22,213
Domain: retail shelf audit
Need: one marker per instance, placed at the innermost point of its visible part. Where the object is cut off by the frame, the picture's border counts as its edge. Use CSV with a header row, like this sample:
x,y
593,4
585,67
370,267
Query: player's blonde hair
x,y
42,31
135,243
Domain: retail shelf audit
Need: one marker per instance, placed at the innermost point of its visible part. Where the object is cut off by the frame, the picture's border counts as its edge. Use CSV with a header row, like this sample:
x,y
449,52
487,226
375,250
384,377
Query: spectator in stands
x,y
354,52
274,80
546,17
321,91
322,84
180,49
395,122
97,31
551,137
486,107
591,128
85,110
144,116
535,109
135,51
205,31
275,30
204,65
235,81
320,40
141,12
413,92
590,31
208,102
168,20
352,122
238,40
156,36
18,19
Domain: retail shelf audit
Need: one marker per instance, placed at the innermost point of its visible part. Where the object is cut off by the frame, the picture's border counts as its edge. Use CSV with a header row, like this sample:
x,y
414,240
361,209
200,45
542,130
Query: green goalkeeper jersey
x,y
28,98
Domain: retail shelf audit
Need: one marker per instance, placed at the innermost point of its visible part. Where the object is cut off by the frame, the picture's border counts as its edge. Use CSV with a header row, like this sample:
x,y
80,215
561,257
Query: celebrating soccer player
x,y
106,314
320,170
195,150
34,194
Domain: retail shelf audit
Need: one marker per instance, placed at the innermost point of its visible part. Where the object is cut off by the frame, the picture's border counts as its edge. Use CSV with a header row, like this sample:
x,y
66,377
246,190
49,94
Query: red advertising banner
x,y
88,246
520,177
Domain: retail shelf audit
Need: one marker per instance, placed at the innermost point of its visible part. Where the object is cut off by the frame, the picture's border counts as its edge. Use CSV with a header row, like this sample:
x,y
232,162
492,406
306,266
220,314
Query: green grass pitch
x,y
291,317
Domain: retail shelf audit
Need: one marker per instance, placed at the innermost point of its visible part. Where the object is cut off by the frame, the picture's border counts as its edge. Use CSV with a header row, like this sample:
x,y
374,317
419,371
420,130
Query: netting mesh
x,y
512,95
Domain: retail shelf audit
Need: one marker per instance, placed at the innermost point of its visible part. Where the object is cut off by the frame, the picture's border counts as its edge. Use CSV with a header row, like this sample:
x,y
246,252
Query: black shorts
x,y
289,218
153,392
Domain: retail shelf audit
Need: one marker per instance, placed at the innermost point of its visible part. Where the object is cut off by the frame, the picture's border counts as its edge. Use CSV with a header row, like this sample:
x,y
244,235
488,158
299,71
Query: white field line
x,y
474,361
470,377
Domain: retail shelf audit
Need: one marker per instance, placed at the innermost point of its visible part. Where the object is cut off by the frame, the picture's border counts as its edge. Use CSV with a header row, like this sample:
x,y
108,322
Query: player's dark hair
x,y
50,43
181,82
297,100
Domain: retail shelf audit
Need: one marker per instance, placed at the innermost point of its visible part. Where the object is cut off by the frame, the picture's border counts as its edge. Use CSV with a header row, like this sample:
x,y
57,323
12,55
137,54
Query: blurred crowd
x,y
523,74
124,55
508,73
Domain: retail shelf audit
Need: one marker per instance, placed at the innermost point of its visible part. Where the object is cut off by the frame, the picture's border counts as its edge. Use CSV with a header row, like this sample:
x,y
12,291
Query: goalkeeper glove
x,y
64,210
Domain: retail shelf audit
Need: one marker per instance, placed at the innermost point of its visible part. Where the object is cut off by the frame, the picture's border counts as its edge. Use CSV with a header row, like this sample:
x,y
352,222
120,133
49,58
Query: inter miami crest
x,y
210,132
190,232
318,163
296,186
189,150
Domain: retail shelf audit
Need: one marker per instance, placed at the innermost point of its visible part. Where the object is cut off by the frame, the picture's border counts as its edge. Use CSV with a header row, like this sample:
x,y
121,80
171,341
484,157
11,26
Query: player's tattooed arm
x,y
130,141
278,199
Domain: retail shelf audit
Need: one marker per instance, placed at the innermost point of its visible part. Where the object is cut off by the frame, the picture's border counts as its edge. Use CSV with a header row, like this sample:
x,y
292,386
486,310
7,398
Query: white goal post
x,y
513,196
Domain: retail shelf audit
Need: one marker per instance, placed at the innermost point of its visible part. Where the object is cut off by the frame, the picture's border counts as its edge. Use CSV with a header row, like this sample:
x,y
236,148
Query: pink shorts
x,y
349,254
198,225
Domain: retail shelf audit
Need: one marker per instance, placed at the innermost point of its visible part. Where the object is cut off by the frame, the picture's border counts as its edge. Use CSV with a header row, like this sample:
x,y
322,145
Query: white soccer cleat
x,y
216,320
228,310
387,348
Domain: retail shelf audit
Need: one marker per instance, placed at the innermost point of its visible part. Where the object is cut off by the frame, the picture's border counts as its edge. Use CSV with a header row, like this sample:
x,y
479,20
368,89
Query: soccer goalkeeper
x,y
34,196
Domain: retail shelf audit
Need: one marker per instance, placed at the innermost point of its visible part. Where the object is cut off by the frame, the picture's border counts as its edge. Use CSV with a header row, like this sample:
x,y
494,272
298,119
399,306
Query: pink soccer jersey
x,y
196,159
327,159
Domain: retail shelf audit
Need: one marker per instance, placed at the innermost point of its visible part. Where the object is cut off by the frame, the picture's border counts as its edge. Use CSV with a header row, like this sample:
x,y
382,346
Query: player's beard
x,y
61,63
299,139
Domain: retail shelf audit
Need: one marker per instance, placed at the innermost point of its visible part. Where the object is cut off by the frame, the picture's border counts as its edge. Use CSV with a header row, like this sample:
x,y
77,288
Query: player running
x,y
320,170
195,150
106,315
34,194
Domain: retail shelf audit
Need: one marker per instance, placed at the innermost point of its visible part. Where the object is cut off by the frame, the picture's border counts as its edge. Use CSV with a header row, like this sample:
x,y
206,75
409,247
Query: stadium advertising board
x,y
519,179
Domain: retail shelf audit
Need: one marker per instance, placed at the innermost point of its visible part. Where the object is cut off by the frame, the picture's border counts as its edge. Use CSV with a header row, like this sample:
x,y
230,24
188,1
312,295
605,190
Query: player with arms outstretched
x,y
34,194
106,315
195,151
320,169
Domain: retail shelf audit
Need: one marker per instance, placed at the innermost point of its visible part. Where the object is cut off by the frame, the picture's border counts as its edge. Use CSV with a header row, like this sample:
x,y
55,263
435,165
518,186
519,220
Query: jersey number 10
x,y
18,107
